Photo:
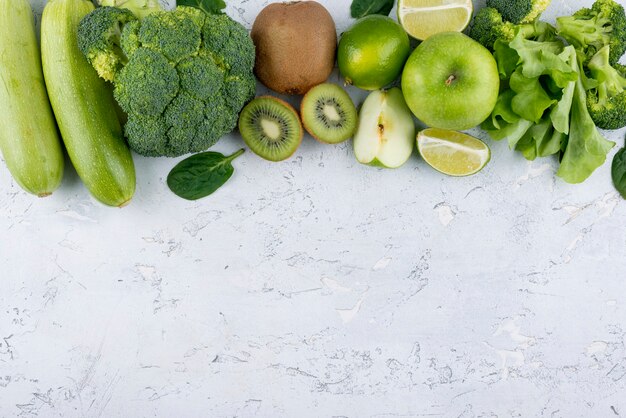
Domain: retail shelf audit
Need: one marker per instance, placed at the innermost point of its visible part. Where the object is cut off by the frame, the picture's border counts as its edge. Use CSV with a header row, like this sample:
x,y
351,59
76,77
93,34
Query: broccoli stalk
x,y
607,101
519,11
489,26
140,8
589,30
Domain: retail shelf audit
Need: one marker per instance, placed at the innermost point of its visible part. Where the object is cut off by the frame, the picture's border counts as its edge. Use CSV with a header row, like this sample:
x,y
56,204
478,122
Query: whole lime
x,y
372,53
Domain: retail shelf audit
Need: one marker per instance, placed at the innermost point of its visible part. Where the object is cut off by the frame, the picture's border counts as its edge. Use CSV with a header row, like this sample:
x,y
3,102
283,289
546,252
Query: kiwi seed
x,y
329,114
271,128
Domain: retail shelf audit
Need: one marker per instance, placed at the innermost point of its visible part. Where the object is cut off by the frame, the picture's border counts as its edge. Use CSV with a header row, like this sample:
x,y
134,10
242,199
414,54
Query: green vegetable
x,y
207,6
140,8
362,8
543,111
607,99
488,27
99,39
84,107
618,172
589,30
519,11
202,174
586,148
187,76
28,135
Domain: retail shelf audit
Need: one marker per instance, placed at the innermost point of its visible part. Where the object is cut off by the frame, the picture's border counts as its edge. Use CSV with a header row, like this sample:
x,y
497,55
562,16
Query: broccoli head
x,y
140,8
99,39
589,30
519,11
489,26
185,77
607,100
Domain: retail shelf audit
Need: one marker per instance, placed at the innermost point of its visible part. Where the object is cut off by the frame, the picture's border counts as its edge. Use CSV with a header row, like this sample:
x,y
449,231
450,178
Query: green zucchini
x,y
29,140
84,106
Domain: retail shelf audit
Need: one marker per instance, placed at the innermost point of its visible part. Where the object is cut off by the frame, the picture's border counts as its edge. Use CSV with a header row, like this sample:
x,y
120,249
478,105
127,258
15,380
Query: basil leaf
x,y
362,8
618,172
200,175
211,7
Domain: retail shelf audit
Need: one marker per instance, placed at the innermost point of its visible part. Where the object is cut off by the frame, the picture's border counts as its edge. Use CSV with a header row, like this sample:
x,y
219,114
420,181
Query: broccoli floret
x,y
147,84
519,11
589,30
488,26
201,77
147,135
99,39
607,101
140,8
221,37
175,35
187,77
129,40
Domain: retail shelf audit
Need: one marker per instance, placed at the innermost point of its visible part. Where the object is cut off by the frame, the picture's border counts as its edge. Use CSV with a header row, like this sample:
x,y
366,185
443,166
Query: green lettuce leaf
x,y
586,148
506,57
531,100
544,58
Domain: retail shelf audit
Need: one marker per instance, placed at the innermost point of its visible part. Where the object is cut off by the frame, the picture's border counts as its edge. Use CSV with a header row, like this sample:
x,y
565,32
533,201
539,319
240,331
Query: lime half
x,y
452,153
423,18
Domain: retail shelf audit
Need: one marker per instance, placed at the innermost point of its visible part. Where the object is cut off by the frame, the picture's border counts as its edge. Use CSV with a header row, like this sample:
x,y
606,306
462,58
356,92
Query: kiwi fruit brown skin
x,y
334,96
280,106
296,43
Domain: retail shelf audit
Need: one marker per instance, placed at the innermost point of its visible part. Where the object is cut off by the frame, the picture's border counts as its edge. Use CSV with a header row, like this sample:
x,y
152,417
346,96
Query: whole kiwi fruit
x,y
295,46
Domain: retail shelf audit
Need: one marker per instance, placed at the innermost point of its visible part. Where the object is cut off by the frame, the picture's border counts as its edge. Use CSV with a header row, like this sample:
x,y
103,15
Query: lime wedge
x,y
452,153
423,18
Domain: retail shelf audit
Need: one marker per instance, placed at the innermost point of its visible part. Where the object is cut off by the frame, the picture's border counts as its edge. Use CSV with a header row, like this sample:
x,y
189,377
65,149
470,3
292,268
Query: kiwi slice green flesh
x,y
271,128
329,114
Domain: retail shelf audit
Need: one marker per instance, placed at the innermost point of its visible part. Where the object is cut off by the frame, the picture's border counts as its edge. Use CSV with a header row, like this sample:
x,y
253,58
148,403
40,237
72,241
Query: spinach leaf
x,y
362,8
618,172
200,175
207,6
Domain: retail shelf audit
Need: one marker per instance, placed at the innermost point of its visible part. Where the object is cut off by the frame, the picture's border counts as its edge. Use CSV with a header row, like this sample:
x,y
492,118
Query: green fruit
x,y
372,53
452,153
271,128
328,114
386,133
451,82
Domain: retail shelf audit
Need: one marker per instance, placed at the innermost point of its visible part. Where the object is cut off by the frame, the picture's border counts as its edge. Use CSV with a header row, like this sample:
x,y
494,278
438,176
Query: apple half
x,y
386,133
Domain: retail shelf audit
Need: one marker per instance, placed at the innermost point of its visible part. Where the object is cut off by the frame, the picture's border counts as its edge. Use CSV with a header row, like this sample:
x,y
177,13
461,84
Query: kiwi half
x,y
271,128
328,113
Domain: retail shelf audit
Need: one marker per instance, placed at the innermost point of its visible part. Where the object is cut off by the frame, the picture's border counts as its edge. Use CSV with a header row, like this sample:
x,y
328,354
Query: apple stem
x,y
381,128
450,79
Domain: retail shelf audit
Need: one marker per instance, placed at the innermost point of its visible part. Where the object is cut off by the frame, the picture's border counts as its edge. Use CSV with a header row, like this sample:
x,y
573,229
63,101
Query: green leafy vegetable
x,y
207,6
618,172
542,110
586,147
202,174
362,8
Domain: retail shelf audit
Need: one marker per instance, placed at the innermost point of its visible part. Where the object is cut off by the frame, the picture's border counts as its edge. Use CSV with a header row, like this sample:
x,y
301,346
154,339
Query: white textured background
x,y
318,287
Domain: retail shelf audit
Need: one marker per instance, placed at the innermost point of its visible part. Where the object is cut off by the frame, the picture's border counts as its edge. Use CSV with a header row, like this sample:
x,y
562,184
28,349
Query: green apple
x,y
386,131
451,81
371,53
